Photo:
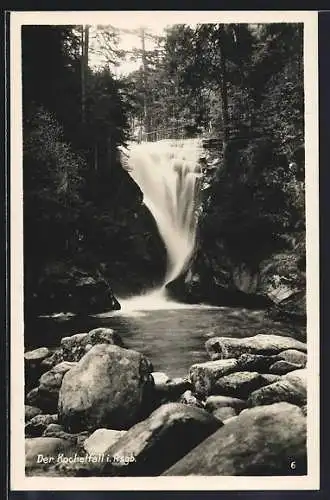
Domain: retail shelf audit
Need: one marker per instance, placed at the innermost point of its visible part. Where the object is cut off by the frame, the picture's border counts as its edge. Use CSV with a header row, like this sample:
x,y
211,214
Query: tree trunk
x,y
84,66
223,89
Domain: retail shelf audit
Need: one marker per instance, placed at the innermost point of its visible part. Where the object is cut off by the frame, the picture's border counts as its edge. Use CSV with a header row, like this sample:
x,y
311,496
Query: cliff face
x,y
251,244
121,254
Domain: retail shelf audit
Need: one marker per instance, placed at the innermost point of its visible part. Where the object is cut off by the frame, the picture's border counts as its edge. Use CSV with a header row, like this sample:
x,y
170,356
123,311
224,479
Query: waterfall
x,y
168,174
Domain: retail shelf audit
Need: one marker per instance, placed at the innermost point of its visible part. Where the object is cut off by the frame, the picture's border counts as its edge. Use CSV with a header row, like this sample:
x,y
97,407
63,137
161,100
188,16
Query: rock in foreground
x,y
101,440
267,345
239,385
76,346
108,387
159,441
204,375
261,441
282,390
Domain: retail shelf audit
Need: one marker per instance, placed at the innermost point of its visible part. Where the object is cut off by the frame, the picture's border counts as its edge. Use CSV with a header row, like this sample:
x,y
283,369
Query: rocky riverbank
x,y
95,408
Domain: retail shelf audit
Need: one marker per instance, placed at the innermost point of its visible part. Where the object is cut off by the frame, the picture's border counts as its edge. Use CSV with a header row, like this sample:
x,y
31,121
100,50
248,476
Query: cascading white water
x,y
168,174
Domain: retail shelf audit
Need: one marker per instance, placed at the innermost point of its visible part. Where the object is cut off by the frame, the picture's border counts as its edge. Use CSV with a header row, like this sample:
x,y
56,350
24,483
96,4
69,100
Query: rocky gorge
x,y
95,408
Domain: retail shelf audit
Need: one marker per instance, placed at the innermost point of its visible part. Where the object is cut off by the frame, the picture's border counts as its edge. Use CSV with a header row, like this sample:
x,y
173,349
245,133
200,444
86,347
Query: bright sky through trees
x,y
127,43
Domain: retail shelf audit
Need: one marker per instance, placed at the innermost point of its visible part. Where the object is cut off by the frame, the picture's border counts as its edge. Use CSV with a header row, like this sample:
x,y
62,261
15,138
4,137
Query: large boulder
x,y
259,442
255,362
101,440
267,345
76,346
282,367
298,378
73,348
204,375
109,387
159,441
64,287
294,356
283,390
239,385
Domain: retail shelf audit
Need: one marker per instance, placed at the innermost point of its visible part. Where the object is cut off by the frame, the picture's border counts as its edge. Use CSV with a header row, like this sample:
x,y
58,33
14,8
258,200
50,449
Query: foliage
x,y
52,184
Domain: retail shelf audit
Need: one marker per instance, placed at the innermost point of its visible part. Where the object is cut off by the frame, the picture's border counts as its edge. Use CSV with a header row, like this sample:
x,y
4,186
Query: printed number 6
x,y
293,465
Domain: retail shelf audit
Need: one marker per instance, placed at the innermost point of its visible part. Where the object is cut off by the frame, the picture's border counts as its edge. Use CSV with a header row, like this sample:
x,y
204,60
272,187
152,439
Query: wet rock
x,y
159,441
49,386
259,442
282,367
204,375
213,403
101,440
33,365
188,398
238,385
36,426
255,362
48,449
283,390
267,345
109,387
31,411
224,413
294,356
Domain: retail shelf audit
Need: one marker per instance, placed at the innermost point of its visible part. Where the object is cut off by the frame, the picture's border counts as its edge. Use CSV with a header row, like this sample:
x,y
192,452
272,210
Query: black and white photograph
x,y
164,219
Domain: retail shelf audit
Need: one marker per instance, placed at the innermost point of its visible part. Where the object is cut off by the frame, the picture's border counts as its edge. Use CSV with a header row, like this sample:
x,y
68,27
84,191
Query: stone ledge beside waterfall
x,y
99,409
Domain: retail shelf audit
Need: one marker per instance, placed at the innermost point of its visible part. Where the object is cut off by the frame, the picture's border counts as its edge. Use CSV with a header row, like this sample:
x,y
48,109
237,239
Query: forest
x,y
239,87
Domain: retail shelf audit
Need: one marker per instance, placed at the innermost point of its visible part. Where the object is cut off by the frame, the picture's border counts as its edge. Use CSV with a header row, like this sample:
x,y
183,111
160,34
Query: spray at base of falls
x,y
168,174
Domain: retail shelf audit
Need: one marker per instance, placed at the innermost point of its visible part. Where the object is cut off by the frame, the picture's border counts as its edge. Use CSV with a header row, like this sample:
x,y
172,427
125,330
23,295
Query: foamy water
x,y
168,174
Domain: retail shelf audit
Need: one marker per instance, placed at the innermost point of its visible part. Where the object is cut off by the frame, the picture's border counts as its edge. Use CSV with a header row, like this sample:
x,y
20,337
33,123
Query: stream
x,y
172,338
